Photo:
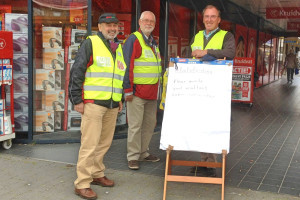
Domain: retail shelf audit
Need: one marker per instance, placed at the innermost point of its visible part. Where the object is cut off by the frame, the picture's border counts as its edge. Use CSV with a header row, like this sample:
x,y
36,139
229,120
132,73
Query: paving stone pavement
x,y
26,178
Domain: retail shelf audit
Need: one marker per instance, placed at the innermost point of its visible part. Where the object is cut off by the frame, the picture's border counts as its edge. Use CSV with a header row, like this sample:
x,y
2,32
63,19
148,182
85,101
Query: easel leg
x,y
167,170
224,153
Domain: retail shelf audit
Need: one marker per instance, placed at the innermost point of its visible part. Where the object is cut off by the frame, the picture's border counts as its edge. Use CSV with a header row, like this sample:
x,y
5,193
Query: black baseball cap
x,y
108,18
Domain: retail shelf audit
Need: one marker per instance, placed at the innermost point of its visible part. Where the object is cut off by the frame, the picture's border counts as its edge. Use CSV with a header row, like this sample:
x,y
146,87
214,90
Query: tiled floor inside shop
x,y
264,153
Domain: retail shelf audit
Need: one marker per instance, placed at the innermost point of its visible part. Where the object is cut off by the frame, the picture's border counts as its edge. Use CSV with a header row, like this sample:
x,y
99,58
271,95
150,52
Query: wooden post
x,y
193,179
169,149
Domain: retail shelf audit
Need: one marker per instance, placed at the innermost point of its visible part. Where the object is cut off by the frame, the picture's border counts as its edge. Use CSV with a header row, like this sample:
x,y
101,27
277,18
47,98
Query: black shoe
x,y
198,169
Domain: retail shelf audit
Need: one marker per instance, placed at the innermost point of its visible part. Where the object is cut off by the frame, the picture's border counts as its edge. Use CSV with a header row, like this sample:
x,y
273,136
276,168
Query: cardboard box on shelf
x,y
74,121
53,59
72,53
20,64
21,121
21,83
58,85
78,36
44,121
20,43
52,37
57,120
44,79
20,102
53,100
17,23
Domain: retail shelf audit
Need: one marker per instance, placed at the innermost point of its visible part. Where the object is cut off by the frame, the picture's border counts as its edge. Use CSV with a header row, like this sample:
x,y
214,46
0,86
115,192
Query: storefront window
x,y
179,31
59,27
14,17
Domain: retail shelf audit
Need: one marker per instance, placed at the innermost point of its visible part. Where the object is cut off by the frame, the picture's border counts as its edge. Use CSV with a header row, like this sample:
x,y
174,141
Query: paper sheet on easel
x,y
198,108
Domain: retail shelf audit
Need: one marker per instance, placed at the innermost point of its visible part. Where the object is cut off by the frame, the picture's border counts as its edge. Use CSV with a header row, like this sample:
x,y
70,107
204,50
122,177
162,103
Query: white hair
x,y
143,14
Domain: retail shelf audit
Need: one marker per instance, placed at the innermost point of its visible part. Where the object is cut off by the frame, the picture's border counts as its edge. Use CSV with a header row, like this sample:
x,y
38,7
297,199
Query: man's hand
x,y
79,107
199,53
120,106
129,98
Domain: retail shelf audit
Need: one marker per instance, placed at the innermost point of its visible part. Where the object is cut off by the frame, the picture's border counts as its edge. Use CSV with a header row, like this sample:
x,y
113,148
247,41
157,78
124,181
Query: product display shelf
x,y
7,130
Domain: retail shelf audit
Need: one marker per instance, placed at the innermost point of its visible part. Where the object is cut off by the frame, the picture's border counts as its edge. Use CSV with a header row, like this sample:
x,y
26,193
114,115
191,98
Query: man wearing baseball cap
x,y
95,90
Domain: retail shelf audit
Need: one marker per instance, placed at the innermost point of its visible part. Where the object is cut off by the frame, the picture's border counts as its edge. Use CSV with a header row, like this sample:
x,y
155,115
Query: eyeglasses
x,y
147,21
213,17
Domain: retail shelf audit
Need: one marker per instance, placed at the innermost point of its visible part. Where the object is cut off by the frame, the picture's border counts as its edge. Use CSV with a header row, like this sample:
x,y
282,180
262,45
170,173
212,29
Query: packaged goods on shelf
x,y
44,79
6,74
44,121
57,120
72,53
52,37
21,83
5,125
58,85
2,108
78,36
20,64
17,23
53,100
20,43
74,121
20,102
21,121
53,59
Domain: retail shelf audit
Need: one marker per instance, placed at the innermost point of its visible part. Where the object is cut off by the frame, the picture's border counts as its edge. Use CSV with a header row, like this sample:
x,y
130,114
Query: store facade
x,y
47,35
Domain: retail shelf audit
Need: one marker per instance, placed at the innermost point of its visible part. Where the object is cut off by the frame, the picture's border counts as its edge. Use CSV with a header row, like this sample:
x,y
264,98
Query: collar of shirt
x,y
210,33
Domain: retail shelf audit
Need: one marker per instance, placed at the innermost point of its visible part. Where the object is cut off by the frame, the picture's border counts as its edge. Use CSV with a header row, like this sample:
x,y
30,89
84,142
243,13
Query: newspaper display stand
x,y
208,84
7,130
243,80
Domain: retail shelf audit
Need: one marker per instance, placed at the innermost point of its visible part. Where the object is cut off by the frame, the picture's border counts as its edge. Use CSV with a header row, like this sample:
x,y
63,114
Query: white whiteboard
x,y
198,108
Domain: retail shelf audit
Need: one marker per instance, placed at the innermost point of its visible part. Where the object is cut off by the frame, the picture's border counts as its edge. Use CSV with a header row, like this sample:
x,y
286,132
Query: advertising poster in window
x,y
261,69
251,43
242,80
241,33
185,48
267,59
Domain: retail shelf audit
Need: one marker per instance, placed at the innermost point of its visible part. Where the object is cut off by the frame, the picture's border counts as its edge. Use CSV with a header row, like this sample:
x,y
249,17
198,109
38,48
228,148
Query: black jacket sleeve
x,y
78,70
228,49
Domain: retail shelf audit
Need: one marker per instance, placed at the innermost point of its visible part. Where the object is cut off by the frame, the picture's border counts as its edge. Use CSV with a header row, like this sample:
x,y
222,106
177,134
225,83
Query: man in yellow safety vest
x,y
211,44
95,89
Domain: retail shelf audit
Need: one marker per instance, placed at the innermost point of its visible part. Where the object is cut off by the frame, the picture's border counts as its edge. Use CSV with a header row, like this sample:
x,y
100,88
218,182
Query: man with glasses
x,y
211,44
141,83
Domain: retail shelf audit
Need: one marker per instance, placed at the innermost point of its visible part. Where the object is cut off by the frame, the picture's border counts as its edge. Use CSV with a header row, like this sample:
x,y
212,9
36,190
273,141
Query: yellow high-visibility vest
x,y
147,68
104,78
216,42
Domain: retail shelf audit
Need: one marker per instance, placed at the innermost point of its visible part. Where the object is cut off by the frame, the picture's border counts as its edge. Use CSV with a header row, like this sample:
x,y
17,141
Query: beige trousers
x,y
141,115
97,130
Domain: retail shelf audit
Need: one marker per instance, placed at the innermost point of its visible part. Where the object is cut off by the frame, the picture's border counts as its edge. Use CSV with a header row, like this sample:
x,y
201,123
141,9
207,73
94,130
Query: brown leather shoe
x,y
86,193
103,181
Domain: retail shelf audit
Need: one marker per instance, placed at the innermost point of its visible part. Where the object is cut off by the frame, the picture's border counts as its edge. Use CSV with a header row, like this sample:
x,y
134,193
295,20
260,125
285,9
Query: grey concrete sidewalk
x,y
24,178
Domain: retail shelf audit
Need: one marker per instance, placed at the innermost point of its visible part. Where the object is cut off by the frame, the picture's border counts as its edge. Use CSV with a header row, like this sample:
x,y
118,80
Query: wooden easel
x,y
193,179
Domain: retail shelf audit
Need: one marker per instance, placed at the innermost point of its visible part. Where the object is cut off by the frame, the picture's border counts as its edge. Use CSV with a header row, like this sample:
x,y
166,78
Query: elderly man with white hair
x,y
141,83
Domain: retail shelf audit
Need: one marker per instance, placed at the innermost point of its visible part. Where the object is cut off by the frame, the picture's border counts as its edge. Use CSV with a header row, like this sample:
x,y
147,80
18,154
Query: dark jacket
x,y
83,60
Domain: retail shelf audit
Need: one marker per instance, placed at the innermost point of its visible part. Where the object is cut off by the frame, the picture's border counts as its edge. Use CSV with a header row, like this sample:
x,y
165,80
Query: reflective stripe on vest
x,y
104,78
216,42
147,68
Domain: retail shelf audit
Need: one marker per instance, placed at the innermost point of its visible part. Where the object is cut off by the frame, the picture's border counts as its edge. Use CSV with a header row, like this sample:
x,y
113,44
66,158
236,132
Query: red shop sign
x,y
293,25
283,13
6,44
